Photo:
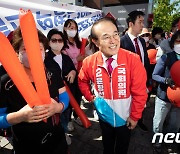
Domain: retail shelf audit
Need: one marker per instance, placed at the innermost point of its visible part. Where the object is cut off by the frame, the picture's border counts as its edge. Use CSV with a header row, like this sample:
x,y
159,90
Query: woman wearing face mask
x,y
163,107
70,31
59,61
31,135
145,34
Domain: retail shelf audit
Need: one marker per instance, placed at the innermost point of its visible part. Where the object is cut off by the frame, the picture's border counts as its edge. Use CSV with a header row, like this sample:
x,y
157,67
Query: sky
x,y
173,1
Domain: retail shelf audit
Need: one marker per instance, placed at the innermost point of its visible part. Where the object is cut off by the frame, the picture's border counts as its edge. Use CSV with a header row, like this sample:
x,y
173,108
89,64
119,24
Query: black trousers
x,y
54,144
115,140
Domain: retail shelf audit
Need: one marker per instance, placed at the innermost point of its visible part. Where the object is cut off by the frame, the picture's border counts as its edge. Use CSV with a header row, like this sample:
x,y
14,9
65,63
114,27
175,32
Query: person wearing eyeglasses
x,y
146,35
56,59
119,80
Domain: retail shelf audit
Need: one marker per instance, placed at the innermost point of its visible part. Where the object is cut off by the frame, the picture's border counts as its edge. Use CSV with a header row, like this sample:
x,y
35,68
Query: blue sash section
x,y
64,98
106,113
3,121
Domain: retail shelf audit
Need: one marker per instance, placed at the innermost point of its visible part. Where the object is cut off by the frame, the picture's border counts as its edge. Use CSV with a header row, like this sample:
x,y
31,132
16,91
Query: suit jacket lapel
x,y
143,44
130,44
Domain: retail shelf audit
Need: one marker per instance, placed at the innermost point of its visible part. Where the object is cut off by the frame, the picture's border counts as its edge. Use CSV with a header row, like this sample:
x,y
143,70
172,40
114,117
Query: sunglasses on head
x,y
56,40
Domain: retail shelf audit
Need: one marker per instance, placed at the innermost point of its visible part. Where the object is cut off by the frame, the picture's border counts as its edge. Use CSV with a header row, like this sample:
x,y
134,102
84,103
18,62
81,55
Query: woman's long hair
x,y
76,38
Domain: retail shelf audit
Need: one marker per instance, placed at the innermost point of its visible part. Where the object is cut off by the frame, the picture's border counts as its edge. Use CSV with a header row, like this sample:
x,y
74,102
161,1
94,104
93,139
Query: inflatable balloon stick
x,y
14,68
31,42
174,96
152,55
82,51
175,73
83,45
78,110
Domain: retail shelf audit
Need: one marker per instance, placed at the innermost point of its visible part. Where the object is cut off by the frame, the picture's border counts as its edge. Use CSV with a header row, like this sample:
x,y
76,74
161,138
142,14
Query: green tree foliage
x,y
164,13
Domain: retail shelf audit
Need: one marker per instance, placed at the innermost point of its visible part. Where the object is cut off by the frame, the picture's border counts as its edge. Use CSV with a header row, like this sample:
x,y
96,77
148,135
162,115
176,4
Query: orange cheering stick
x,y
152,55
31,42
78,110
16,71
83,45
82,52
175,74
173,96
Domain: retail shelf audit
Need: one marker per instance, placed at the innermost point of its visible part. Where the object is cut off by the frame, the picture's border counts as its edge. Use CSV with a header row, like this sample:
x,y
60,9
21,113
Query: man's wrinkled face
x,y
108,39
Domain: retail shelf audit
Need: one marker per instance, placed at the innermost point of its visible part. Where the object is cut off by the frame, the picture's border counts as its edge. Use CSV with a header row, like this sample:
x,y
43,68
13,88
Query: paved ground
x,y
89,141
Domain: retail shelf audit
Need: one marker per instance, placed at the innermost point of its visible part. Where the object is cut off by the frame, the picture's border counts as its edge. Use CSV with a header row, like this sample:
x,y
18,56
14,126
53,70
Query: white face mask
x,y
24,58
56,47
71,33
146,39
177,48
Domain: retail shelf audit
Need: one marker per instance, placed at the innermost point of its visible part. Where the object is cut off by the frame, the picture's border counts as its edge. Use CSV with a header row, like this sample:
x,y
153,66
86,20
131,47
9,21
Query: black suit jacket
x,y
127,44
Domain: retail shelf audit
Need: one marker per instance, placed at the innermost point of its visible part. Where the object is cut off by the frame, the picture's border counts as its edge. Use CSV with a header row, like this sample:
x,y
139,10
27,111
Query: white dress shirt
x,y
58,59
132,37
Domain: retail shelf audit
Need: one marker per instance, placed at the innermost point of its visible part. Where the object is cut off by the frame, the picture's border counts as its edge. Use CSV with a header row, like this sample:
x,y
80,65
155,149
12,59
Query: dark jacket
x,y
67,66
34,134
127,44
162,71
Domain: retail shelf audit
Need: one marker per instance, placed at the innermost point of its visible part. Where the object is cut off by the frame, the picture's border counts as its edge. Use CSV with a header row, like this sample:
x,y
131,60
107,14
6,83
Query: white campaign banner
x,y
47,15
